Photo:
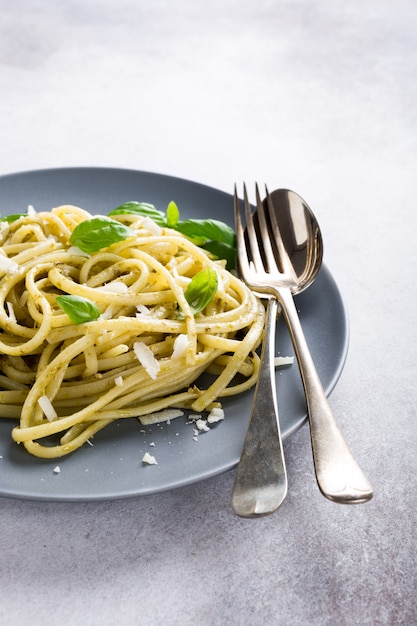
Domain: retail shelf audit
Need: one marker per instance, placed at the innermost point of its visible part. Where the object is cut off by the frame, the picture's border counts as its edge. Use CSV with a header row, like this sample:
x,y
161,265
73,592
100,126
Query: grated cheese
x,y
146,358
152,226
215,415
193,417
142,309
118,381
77,251
7,266
279,361
115,287
56,470
149,459
180,346
202,425
46,406
161,416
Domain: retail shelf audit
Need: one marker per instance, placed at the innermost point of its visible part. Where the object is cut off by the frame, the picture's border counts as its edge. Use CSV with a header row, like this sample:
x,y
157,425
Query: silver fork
x,y
261,482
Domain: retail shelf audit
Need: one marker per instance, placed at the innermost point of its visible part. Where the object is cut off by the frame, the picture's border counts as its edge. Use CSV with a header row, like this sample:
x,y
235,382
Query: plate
x,y
112,467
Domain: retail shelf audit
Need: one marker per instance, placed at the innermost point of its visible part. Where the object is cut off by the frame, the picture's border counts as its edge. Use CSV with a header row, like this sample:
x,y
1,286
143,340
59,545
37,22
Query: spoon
x,y
295,244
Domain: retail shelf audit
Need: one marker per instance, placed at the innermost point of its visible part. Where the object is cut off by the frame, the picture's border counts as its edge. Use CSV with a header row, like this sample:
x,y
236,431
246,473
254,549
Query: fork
x,y
260,485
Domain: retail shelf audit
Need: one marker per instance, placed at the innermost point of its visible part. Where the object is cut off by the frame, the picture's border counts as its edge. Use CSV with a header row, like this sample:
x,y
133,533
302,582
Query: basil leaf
x,y
206,230
212,235
99,232
141,208
201,290
12,218
173,215
78,309
222,250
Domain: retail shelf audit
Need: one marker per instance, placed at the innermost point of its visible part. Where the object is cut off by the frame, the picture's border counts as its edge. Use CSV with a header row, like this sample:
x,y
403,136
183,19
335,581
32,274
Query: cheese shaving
x,y
181,344
46,406
7,266
115,287
215,415
146,358
161,416
279,361
149,459
152,226
142,309
77,251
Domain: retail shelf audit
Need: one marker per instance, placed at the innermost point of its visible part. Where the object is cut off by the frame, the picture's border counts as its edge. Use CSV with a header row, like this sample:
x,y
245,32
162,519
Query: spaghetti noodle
x,y
65,381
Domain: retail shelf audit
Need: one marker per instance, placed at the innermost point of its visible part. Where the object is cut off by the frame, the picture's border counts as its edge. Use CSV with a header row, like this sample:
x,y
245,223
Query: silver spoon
x,y
295,244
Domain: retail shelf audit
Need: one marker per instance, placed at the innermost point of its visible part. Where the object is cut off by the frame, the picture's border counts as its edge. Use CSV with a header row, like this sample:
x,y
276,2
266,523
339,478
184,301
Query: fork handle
x,y
339,477
261,480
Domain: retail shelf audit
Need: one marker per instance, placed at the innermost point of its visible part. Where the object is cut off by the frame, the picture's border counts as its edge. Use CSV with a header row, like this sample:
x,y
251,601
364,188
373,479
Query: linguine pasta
x,y
64,381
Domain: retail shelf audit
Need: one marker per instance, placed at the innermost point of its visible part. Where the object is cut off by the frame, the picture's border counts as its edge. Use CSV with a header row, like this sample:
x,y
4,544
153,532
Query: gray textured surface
x,y
320,97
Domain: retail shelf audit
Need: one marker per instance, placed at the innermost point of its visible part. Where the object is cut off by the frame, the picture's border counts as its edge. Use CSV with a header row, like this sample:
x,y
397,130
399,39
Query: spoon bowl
x,y
301,237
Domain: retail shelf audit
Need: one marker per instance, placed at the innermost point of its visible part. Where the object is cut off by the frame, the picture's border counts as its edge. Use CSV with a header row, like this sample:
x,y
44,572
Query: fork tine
x,y
282,253
265,235
251,233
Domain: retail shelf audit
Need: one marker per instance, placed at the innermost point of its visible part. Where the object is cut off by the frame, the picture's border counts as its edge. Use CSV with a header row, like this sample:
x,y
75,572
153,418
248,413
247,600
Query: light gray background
x,y
316,96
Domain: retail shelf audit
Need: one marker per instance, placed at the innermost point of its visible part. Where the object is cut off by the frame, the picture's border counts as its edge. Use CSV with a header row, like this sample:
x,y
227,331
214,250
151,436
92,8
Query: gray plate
x,y
112,468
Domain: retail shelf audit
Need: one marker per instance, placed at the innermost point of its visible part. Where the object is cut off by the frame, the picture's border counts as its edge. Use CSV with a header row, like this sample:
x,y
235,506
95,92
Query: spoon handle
x,y
261,480
339,477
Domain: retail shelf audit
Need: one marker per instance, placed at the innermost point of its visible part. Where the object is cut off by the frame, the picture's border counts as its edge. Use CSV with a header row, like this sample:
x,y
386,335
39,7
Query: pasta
x,y
145,351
